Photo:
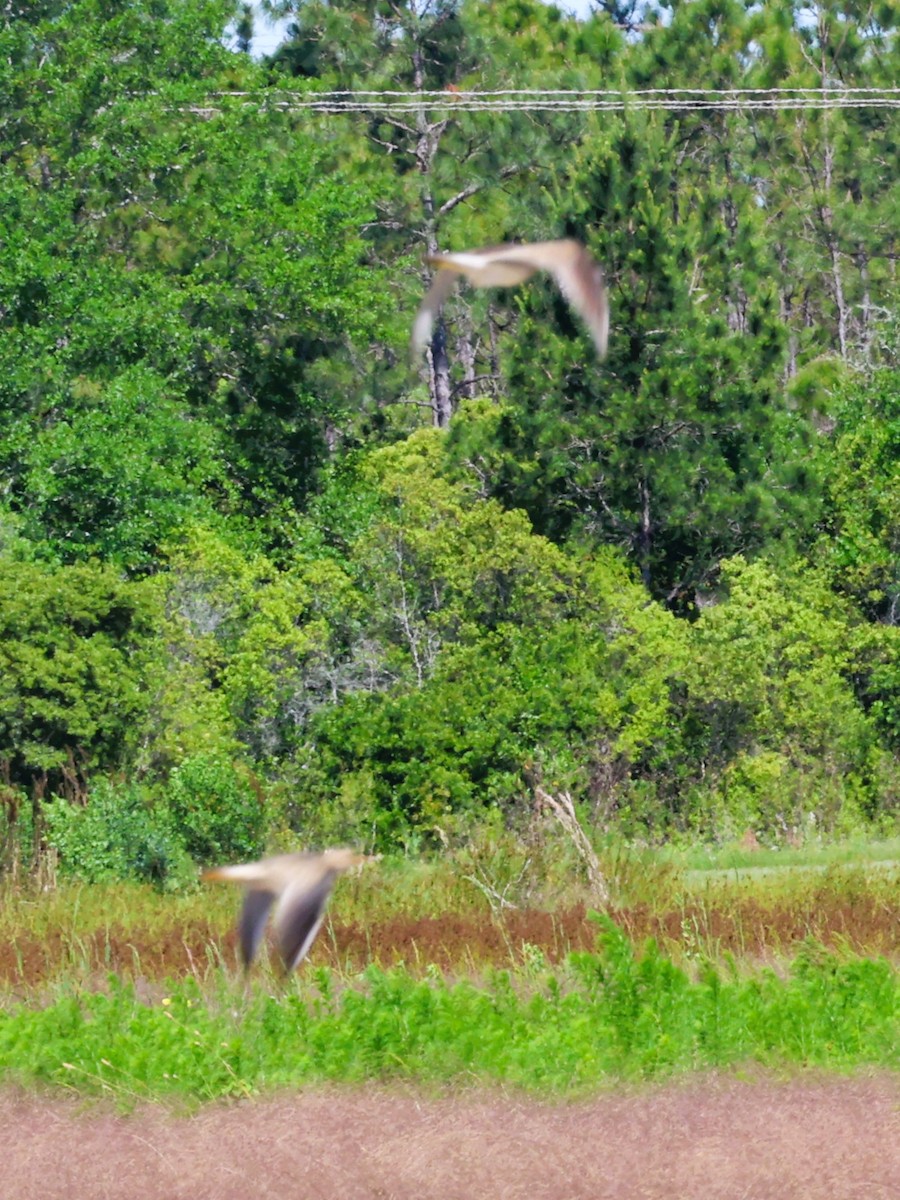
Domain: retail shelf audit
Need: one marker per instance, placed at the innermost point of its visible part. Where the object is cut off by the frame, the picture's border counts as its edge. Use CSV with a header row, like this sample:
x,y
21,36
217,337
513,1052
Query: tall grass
x,y
608,1014
415,912
849,855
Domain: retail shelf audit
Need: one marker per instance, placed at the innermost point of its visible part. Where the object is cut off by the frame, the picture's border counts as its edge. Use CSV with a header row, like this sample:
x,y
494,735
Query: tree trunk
x,y
644,533
428,140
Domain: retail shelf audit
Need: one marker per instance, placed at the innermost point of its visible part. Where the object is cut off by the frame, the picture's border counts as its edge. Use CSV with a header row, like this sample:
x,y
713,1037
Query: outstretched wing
x,y
442,285
580,278
253,921
578,274
583,285
298,916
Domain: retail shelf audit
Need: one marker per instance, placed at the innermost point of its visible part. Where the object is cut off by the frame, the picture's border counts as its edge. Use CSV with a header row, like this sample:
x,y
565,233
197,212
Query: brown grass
x,y
713,1139
749,926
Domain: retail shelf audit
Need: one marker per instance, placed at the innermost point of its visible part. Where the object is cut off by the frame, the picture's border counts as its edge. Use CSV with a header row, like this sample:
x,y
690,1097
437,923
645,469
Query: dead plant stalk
x,y
564,810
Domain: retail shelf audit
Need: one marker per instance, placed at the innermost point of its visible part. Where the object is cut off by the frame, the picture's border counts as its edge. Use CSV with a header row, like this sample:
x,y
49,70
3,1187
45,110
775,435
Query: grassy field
x,y
610,1014
421,973
448,913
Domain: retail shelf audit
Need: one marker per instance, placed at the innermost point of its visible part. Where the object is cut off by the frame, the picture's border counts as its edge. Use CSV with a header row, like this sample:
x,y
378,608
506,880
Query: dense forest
x,y
262,577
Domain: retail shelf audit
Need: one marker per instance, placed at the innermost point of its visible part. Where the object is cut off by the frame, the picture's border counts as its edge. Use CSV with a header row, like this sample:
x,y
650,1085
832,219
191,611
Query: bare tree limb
x,y
564,810
473,188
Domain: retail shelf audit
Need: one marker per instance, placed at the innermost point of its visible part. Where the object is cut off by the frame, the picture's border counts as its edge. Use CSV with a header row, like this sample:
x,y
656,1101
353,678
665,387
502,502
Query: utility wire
x,y
540,100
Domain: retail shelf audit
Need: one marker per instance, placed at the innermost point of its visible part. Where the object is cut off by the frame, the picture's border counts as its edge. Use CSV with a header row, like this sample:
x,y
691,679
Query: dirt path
x,y
712,1139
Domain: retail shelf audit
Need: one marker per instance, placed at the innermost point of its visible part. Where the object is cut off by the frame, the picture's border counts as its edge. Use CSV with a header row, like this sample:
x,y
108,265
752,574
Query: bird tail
x,y
240,873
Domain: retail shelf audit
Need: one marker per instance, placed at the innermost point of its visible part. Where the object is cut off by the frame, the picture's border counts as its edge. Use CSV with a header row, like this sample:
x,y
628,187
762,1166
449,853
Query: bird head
x,y
343,859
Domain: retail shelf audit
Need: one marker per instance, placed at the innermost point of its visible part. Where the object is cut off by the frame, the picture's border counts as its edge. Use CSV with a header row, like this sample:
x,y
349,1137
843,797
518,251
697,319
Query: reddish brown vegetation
x,y
712,1139
746,926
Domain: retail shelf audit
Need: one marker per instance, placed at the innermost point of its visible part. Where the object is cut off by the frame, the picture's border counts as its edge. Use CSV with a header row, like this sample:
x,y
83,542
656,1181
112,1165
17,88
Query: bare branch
x,y
474,188
564,810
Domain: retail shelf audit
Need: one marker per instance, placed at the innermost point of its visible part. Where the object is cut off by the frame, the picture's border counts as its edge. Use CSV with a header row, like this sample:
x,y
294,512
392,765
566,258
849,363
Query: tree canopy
x,y
242,538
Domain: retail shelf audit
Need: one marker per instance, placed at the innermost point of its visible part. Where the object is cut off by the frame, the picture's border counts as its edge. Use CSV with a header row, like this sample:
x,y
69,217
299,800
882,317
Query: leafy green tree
x,y
118,474
150,221
495,659
251,650
772,701
218,810
77,659
860,465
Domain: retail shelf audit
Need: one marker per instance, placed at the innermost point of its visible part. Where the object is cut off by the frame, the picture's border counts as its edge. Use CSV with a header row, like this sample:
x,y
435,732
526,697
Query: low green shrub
x,y
117,835
217,809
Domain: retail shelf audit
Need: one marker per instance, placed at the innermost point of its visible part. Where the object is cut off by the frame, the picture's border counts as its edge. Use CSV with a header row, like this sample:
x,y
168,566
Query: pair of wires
x,y
559,100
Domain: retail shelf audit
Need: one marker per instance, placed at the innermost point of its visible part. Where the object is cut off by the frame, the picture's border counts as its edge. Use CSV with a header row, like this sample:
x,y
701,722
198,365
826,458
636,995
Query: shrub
x,y
117,835
78,656
217,809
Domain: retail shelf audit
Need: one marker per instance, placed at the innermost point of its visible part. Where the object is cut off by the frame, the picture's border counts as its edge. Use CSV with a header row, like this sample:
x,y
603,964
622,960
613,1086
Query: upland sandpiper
x,y
578,274
298,885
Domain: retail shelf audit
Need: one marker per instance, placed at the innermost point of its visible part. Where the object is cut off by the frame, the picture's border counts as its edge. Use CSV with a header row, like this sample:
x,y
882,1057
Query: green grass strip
x,y
610,1014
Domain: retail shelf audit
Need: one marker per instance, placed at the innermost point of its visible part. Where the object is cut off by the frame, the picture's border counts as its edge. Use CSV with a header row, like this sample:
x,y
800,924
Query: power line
x,y
560,100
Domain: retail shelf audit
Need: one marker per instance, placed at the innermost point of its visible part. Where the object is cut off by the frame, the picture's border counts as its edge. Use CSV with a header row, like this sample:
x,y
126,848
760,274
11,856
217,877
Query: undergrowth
x,y
608,1014
412,913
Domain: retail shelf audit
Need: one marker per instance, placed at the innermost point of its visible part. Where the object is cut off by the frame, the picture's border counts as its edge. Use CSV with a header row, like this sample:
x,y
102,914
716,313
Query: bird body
x,y
298,885
578,274
490,267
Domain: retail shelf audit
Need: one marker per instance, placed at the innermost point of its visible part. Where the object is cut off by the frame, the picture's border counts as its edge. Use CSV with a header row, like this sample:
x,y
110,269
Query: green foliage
x,y
77,656
771,687
860,463
218,810
613,1014
119,475
251,647
205,297
117,835
667,450
497,652
197,271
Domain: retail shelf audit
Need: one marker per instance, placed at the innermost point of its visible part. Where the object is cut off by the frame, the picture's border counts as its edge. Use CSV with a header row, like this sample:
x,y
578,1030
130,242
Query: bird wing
x,y
253,921
442,285
298,916
583,285
580,278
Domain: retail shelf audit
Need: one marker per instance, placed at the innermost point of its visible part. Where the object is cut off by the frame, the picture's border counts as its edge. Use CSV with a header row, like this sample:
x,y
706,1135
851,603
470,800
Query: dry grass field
x,y
89,932
740,1134
714,1138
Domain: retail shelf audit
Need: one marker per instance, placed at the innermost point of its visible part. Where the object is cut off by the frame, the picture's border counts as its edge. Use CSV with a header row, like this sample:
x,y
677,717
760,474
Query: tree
x,y
669,447
444,161
149,221
829,196
77,666
859,461
496,660
771,693
117,474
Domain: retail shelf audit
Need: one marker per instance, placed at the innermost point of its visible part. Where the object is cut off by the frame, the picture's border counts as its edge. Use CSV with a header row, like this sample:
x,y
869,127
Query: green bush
x,y
217,809
117,835
78,665
771,709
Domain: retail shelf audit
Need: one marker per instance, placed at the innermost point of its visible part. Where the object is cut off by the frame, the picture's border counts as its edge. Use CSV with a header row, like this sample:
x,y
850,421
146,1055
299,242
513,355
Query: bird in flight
x,y
578,274
298,885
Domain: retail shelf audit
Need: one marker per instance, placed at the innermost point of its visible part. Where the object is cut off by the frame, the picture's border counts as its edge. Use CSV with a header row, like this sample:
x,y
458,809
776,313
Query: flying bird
x,y
579,275
298,885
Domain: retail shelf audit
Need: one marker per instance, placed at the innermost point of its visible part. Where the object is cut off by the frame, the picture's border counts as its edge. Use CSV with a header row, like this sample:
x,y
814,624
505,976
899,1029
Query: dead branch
x,y
564,810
